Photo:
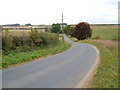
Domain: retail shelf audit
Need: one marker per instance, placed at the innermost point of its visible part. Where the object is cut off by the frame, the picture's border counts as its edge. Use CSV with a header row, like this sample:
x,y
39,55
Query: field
x,y
107,32
19,32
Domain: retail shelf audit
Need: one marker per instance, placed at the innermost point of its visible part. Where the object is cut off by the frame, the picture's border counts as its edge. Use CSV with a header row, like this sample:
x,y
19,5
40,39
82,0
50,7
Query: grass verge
x,y
20,57
107,72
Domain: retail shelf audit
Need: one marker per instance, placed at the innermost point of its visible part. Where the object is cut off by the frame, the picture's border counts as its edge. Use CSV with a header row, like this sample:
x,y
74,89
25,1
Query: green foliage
x,y
20,41
7,41
82,31
69,30
17,49
55,28
47,30
32,40
49,38
19,57
35,37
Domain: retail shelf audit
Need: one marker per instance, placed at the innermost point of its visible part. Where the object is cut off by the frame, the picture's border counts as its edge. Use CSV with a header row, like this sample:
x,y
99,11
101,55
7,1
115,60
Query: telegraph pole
x,y
62,22
62,28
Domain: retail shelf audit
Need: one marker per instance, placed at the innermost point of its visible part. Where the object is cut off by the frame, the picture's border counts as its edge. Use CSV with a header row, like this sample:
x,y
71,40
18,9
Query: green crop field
x,y
107,32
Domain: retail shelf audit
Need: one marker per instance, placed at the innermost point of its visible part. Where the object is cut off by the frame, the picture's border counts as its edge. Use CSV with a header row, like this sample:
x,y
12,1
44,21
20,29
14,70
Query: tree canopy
x,y
82,31
55,28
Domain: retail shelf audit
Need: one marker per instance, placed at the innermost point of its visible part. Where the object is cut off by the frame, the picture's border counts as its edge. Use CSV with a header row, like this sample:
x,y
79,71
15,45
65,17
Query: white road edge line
x,y
85,81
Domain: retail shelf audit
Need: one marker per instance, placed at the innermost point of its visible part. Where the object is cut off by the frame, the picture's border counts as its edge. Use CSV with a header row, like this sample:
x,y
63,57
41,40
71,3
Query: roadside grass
x,y
107,72
105,38
73,38
106,32
20,57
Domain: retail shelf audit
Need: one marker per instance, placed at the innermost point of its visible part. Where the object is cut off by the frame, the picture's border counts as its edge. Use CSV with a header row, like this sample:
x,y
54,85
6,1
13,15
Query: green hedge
x,y
33,40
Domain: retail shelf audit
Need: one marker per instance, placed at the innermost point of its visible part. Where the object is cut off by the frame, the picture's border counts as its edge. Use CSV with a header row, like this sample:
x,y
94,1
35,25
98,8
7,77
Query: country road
x,y
64,70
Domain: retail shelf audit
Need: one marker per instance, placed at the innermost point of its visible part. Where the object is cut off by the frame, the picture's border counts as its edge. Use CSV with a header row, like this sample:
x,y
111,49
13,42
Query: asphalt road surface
x,y
64,70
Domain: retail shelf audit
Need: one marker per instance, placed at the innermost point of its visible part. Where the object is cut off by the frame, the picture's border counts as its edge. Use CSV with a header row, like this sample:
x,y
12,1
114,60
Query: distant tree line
x,y
17,25
11,25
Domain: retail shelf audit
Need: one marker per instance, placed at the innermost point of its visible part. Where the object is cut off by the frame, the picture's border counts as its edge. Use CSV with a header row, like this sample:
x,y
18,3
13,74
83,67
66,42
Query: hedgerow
x,y
33,40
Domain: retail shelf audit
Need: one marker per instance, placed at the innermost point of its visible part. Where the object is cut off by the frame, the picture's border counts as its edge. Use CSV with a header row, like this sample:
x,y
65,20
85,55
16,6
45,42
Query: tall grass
x,y
110,44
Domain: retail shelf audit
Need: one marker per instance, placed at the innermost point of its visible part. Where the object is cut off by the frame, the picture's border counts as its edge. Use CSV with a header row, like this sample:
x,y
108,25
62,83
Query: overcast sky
x,y
49,11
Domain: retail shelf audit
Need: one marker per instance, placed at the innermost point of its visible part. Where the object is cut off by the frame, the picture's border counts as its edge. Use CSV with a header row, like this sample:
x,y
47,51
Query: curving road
x,y
64,70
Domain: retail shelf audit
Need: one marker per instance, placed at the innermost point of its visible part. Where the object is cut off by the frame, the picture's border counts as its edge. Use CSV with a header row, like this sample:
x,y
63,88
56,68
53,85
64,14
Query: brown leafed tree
x,y
82,31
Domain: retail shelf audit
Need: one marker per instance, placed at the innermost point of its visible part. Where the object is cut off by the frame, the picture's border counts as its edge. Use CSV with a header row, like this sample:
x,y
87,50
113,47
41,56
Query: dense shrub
x,y
55,28
49,38
22,41
7,41
82,31
69,30
34,39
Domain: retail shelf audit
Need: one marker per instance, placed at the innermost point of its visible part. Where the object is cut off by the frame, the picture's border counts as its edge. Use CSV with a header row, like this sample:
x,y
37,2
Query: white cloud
x,y
49,11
